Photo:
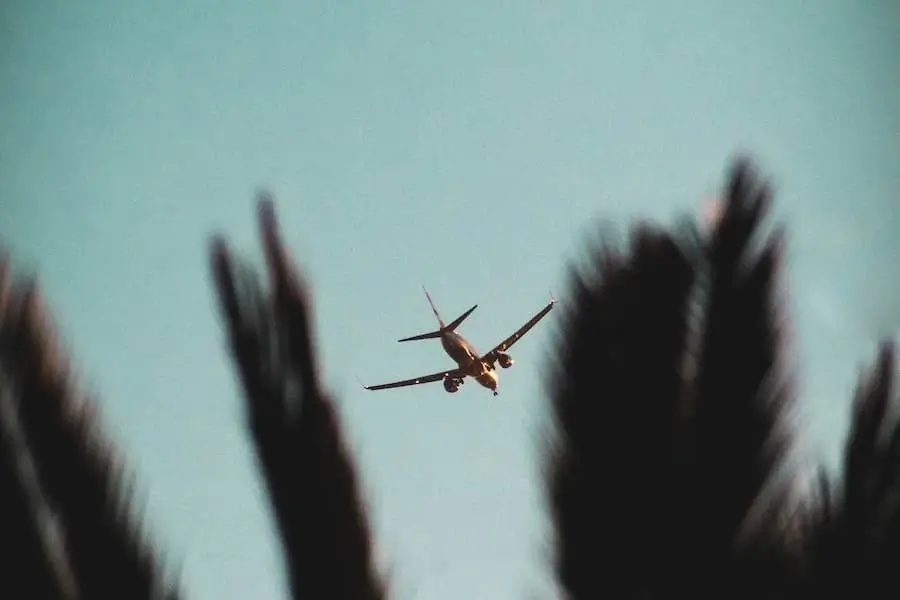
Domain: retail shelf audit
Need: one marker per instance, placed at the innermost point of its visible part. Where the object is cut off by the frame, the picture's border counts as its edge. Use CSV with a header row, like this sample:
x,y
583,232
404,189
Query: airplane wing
x,y
417,380
491,357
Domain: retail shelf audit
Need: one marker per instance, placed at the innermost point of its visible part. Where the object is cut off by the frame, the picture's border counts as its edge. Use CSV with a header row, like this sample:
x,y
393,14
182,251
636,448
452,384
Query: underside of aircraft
x,y
469,363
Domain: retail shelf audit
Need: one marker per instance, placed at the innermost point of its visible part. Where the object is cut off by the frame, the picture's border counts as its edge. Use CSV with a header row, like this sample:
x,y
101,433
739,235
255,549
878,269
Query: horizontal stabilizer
x,y
455,323
423,336
445,328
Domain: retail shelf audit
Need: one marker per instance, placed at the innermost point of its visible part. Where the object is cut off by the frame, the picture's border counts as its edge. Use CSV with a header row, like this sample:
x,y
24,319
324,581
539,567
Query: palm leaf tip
x,y
308,469
852,539
872,463
743,373
614,394
736,494
39,572
747,201
74,462
634,414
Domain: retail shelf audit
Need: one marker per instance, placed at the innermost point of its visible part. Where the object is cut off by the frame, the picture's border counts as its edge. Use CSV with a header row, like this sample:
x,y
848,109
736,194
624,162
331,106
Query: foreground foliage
x,y
666,468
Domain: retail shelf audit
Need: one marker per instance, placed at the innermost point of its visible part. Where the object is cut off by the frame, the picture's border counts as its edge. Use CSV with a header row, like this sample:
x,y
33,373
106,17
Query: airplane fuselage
x,y
466,356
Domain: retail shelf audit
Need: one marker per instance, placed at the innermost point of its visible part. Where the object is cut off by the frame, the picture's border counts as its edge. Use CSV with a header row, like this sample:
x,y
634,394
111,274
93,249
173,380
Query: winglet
x,y
552,297
364,386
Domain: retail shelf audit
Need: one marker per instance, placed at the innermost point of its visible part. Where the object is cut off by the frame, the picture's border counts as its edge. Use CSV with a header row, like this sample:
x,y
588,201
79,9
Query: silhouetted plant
x,y
21,532
618,376
665,473
77,474
308,469
660,450
853,535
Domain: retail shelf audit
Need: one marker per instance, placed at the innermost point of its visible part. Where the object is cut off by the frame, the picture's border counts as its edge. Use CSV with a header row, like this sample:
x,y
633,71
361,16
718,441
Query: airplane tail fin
x,y
443,327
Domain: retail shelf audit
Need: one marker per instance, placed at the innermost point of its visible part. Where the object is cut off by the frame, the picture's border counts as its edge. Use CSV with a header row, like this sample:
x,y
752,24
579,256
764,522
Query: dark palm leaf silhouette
x,y
740,396
22,533
78,472
853,537
662,451
308,469
20,519
665,473
614,397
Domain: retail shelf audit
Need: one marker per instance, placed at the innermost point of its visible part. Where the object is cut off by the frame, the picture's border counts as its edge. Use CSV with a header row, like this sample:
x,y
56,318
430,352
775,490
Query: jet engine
x,y
505,360
451,384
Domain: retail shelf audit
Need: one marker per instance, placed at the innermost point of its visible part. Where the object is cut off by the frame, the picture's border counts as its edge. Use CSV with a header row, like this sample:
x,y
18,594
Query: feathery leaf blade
x,y
864,444
854,546
741,392
78,469
308,469
615,393
37,572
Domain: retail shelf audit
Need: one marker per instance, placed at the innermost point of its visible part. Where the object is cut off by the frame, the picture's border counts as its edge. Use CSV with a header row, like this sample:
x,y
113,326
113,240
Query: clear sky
x,y
467,146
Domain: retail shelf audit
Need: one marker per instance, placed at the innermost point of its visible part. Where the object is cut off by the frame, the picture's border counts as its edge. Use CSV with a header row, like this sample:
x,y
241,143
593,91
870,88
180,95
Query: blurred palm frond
x,y
308,469
667,402
740,398
615,391
853,531
666,470
23,521
77,471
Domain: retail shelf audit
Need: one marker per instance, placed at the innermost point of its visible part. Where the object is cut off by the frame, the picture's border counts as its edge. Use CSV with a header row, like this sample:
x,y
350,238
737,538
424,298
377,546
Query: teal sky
x,y
466,146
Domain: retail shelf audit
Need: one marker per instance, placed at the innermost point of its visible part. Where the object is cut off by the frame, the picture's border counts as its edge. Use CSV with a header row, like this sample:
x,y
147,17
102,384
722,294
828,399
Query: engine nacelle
x,y
505,360
450,384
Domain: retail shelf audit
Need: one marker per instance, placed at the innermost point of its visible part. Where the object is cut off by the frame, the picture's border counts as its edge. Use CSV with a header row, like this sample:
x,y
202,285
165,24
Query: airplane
x,y
468,362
